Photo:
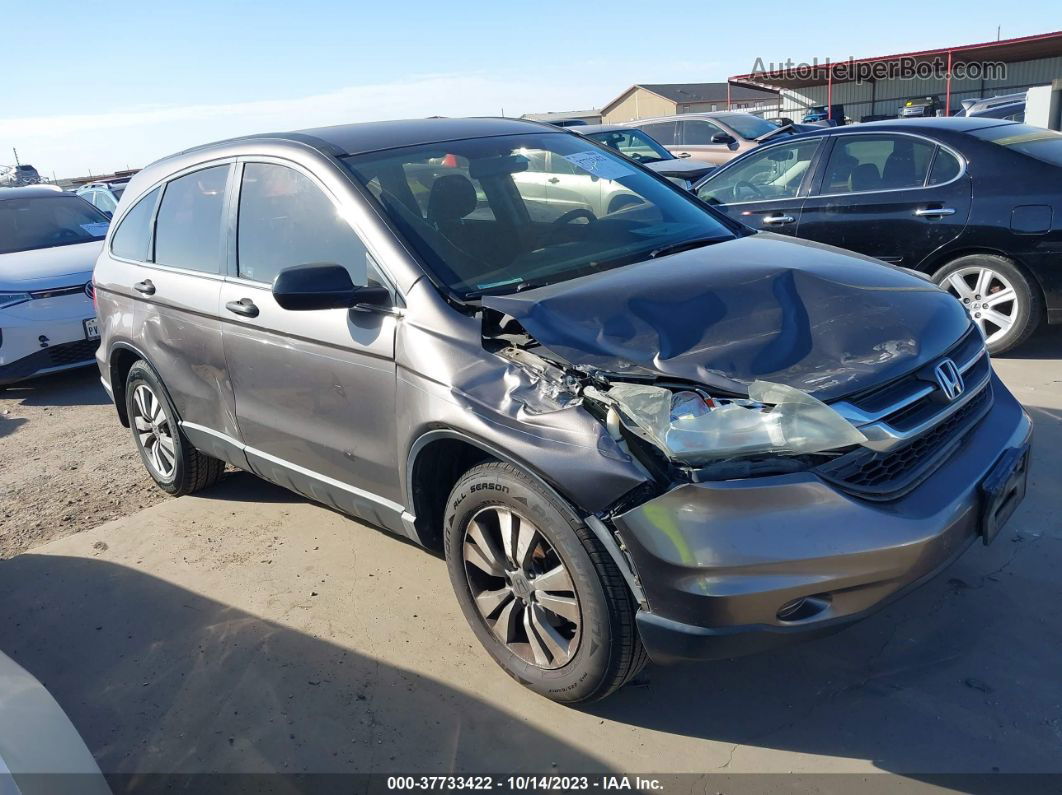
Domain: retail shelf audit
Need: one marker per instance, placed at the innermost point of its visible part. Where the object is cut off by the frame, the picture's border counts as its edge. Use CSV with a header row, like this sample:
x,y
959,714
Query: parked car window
x,y
861,163
286,220
1045,145
188,229
48,221
537,231
748,126
772,173
663,131
698,133
104,200
635,144
946,167
132,238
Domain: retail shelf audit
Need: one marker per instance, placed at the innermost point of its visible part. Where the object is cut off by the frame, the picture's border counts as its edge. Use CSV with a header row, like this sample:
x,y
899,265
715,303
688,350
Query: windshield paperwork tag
x,y
98,229
599,165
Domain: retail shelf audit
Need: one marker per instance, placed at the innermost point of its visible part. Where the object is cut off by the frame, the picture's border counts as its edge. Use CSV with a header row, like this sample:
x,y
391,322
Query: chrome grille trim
x,y
882,425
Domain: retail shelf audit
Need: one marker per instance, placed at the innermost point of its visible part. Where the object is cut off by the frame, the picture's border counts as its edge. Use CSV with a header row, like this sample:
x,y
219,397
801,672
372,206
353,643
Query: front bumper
x,y
717,561
60,322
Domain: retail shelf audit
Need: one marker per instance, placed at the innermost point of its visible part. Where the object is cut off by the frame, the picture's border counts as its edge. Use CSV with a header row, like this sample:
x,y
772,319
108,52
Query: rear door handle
x,y
146,287
934,212
553,180
245,307
777,220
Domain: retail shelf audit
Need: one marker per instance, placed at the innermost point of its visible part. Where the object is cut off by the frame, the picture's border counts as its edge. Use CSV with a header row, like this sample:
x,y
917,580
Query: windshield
x,y
748,126
1044,145
507,213
635,144
47,221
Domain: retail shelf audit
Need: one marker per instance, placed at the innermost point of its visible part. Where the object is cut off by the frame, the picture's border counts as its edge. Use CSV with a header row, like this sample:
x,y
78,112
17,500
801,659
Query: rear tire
x,y
1001,298
171,460
549,604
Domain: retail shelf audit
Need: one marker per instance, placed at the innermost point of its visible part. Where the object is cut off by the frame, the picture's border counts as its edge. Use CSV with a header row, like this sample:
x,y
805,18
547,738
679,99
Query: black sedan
x,y
638,145
975,203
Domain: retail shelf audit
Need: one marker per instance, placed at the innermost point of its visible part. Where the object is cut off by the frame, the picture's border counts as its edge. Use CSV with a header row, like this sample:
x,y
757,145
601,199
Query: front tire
x,y
171,460
539,591
1002,300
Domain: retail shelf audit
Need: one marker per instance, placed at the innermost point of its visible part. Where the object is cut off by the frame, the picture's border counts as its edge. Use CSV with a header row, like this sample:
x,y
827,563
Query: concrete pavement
x,y
246,630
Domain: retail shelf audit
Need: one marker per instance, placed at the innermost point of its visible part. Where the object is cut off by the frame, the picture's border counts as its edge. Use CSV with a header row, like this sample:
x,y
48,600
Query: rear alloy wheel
x,y
998,296
171,460
537,587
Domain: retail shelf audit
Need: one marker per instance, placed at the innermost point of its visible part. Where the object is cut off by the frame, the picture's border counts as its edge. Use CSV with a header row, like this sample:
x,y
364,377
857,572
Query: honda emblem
x,y
950,379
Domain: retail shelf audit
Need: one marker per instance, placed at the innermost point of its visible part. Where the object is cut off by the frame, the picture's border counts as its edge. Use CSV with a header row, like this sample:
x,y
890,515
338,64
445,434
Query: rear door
x,y
315,390
765,189
174,277
894,196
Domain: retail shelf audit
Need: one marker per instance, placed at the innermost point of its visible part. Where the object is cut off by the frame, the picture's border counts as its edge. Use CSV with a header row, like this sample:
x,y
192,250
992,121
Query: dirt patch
x,y
66,462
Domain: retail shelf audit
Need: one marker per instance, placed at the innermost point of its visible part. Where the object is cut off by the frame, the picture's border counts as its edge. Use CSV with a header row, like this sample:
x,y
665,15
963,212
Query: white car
x,y
49,241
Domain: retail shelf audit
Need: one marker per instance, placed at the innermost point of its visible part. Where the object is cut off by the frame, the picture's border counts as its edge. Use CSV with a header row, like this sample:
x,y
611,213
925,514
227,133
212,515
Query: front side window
x,y
699,133
773,173
516,211
286,220
48,221
748,126
132,238
188,229
861,163
635,144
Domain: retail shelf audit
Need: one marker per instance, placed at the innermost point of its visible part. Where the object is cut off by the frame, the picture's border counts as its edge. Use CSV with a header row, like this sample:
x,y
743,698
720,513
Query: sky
x,y
92,87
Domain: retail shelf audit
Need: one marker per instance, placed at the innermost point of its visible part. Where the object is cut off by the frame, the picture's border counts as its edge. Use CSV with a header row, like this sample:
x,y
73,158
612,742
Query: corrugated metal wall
x,y
888,95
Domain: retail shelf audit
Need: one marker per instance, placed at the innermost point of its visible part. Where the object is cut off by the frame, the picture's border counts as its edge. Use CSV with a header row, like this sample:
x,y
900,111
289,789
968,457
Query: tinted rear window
x,y
188,229
1044,145
132,237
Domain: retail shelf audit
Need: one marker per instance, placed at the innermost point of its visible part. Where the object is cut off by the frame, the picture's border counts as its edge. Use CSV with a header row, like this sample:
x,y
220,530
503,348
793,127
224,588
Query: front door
x,y
695,141
315,390
892,196
764,189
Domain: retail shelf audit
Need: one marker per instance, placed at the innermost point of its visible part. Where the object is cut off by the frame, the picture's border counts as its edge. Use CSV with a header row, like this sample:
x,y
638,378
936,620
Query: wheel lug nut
x,y
977,314
966,300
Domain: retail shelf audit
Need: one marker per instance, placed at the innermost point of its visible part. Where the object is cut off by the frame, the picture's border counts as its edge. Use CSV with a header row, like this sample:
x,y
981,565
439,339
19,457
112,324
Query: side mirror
x,y
722,138
323,285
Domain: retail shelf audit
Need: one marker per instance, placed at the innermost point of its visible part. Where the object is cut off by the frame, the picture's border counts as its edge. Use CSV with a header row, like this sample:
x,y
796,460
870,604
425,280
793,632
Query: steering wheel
x,y
746,184
571,215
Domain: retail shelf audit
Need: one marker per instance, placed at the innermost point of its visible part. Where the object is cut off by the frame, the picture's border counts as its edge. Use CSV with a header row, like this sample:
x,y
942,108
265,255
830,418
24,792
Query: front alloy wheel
x,y
521,587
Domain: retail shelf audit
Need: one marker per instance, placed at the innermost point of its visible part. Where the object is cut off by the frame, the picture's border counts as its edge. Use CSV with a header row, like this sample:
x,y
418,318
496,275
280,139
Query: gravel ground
x,y
66,463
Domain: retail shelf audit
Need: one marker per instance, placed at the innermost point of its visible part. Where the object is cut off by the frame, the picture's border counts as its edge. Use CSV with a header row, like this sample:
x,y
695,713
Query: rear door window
x,y
188,229
664,131
286,220
862,163
132,238
698,133
946,167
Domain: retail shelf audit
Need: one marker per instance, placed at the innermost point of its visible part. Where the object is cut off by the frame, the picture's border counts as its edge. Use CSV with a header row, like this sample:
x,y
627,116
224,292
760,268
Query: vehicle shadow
x,y
80,387
1046,343
961,676
8,425
161,680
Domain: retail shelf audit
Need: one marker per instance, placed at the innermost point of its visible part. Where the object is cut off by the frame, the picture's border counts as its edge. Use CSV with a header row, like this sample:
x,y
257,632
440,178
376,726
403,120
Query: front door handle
x,y
778,220
934,212
145,287
245,307
553,180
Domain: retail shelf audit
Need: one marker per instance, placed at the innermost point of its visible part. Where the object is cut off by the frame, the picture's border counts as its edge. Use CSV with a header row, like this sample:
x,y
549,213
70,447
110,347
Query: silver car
x,y
637,429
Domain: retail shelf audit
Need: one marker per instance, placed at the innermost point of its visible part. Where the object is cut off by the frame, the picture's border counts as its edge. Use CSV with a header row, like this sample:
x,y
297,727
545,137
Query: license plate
x,y
92,329
1003,490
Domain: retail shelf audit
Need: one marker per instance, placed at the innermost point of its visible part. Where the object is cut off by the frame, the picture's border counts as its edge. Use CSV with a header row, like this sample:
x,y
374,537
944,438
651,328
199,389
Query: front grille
x,y
72,352
911,425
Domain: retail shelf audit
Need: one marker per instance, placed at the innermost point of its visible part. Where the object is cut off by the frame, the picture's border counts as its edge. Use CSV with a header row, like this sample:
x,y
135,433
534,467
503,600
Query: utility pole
x,y
999,29
13,149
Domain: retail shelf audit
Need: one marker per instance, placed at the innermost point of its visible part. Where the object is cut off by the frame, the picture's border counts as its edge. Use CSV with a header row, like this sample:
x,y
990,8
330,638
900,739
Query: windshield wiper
x,y
683,245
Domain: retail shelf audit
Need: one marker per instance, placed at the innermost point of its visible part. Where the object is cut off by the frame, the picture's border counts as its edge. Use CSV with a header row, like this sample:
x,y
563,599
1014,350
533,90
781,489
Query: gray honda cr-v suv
x,y
636,431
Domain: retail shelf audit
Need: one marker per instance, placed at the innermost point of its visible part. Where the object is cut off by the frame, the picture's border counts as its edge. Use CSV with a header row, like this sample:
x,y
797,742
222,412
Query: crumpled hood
x,y
764,307
45,268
